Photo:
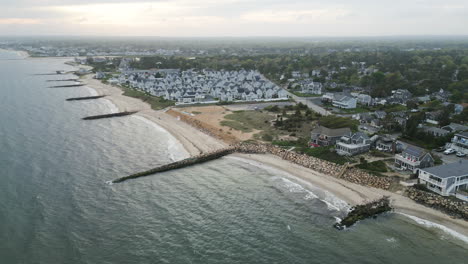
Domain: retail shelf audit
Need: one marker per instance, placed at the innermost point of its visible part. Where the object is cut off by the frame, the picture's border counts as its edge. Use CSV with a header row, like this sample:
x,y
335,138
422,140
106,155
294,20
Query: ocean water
x,y
56,208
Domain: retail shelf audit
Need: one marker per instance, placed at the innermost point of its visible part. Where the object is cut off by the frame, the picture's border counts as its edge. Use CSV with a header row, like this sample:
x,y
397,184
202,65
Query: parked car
x,y
449,151
440,149
461,154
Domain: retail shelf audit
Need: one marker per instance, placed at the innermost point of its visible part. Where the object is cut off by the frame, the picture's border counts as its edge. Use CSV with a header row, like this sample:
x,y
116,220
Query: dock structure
x,y
180,164
85,98
126,113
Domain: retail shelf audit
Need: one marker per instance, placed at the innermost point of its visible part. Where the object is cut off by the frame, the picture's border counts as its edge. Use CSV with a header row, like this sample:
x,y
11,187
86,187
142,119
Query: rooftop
x,y
449,170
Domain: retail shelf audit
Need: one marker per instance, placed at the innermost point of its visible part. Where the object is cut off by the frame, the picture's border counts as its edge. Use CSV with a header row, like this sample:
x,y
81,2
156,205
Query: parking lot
x,y
449,158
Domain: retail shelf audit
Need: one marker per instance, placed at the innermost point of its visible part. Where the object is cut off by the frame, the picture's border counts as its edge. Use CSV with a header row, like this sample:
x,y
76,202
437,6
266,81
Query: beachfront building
x,y
323,136
385,144
460,142
353,144
413,158
450,179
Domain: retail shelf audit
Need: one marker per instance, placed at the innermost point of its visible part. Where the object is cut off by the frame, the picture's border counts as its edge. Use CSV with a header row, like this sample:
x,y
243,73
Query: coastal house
x,y
460,142
344,102
433,117
328,97
385,144
401,96
435,131
447,180
323,136
353,144
364,99
454,127
312,88
413,158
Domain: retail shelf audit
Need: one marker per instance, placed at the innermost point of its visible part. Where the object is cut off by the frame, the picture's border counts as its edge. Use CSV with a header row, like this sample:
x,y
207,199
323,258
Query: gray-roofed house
x,y
460,142
435,131
413,158
353,144
454,127
385,144
344,101
323,136
449,179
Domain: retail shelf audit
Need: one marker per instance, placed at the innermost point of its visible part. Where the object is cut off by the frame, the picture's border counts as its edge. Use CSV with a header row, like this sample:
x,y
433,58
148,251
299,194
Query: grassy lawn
x,y
353,111
339,122
157,103
248,121
326,153
306,94
376,166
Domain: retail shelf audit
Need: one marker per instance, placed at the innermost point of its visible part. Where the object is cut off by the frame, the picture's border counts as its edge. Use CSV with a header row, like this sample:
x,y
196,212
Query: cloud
x,y
19,21
236,17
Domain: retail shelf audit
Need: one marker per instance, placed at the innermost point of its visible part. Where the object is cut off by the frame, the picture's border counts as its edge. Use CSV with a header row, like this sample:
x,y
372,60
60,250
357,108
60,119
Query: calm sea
x,y
56,208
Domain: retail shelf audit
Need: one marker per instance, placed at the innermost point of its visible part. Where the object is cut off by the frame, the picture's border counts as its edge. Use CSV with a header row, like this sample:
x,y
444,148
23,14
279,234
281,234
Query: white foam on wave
x,y
92,92
111,106
430,224
174,148
297,186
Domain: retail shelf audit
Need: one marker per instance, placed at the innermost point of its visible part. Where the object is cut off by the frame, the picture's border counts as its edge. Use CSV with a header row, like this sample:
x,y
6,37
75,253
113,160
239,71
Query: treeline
x,y
421,72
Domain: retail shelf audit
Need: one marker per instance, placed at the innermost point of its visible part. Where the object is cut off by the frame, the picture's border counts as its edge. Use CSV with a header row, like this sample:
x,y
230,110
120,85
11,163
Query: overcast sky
x,y
234,17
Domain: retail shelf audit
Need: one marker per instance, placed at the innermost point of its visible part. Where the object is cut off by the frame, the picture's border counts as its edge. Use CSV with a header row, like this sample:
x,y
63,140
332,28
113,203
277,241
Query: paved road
x,y
310,103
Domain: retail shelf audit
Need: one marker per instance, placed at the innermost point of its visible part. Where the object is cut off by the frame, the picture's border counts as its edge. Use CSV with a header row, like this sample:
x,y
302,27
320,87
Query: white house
x,y
449,179
344,102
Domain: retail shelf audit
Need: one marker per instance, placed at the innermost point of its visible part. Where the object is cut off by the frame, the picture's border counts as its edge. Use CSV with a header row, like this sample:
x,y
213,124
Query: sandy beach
x,y
355,194
196,142
193,140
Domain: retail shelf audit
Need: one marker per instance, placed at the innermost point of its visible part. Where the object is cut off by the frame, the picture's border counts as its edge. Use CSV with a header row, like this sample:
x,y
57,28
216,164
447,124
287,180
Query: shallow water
x,y
56,208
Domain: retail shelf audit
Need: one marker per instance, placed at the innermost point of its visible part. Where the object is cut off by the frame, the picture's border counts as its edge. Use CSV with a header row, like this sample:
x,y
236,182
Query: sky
x,y
224,18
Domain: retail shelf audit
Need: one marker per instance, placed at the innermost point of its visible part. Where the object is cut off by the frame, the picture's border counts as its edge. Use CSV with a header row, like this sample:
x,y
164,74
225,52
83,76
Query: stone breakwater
x,y
180,164
340,171
458,209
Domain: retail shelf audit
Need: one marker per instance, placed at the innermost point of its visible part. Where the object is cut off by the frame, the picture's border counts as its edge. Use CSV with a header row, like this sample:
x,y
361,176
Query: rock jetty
x,y
363,211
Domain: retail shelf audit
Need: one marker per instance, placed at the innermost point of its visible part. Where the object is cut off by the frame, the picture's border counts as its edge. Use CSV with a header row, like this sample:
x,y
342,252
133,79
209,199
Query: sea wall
x,y
340,171
449,206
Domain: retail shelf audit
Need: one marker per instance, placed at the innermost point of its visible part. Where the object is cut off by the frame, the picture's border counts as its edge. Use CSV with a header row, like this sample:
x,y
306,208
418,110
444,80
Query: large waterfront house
x,y
449,179
323,136
460,142
344,101
413,158
353,144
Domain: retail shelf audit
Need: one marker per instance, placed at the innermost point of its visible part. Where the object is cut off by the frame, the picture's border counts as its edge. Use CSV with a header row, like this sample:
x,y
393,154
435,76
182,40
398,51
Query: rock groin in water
x,y
364,211
179,164
109,115
85,98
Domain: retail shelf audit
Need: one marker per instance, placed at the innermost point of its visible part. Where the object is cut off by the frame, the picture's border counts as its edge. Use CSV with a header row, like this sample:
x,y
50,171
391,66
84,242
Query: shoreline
x,y
355,194
196,142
